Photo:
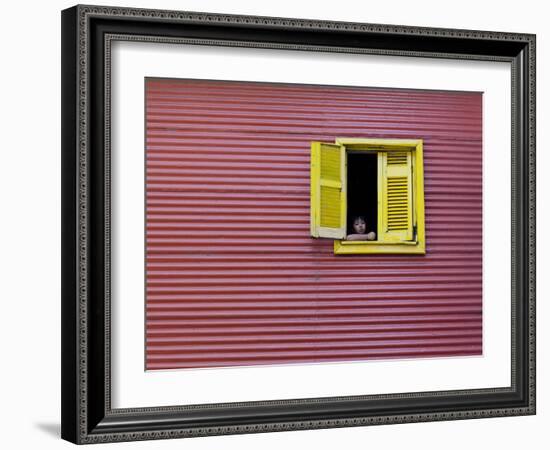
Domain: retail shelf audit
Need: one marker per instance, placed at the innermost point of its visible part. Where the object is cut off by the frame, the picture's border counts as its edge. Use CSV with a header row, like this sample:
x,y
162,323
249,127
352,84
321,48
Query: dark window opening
x,y
362,190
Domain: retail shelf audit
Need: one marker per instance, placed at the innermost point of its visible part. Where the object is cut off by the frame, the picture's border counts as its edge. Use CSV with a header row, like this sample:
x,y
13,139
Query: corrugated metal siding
x,y
233,276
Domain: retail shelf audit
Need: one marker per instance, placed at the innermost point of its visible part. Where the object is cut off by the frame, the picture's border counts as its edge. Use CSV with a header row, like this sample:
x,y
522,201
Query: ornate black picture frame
x,y
87,35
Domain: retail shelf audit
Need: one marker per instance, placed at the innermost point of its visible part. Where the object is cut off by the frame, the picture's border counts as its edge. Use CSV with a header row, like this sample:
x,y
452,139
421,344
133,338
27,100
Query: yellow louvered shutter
x,y
328,201
397,199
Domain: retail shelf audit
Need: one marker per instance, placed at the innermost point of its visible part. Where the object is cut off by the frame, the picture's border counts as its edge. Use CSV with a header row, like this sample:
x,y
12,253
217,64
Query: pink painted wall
x,y
233,276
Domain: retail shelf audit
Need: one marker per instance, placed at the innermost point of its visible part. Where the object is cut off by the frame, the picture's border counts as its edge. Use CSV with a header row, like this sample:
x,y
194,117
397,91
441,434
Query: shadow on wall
x,y
53,429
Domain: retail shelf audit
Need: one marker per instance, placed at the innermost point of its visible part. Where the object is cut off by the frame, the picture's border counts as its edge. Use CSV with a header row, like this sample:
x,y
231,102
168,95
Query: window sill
x,y
373,247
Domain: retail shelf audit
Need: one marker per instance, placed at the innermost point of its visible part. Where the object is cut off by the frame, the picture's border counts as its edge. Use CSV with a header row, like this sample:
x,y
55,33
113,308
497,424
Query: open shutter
x,y
328,198
397,201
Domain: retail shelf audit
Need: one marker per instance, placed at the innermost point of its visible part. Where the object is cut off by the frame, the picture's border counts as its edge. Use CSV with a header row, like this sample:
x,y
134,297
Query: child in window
x,y
360,231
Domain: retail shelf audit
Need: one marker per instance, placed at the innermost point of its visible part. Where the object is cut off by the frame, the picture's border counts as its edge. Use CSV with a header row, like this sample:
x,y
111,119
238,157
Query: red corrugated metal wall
x,y
233,276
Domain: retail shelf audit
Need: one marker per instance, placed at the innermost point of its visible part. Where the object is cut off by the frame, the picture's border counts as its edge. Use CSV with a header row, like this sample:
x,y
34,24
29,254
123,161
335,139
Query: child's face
x,y
359,226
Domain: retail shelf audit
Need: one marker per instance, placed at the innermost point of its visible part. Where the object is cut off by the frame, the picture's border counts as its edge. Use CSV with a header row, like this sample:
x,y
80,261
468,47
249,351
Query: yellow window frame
x,y
382,147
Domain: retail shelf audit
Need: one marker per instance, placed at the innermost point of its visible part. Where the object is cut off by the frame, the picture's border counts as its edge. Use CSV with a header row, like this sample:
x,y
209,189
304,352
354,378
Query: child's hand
x,y
362,237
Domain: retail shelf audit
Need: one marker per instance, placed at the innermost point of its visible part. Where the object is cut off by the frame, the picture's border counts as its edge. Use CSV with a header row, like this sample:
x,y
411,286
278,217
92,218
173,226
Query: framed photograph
x,y
278,224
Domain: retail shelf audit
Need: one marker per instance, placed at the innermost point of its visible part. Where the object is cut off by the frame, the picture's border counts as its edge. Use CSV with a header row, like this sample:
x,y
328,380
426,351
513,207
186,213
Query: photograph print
x,y
299,224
